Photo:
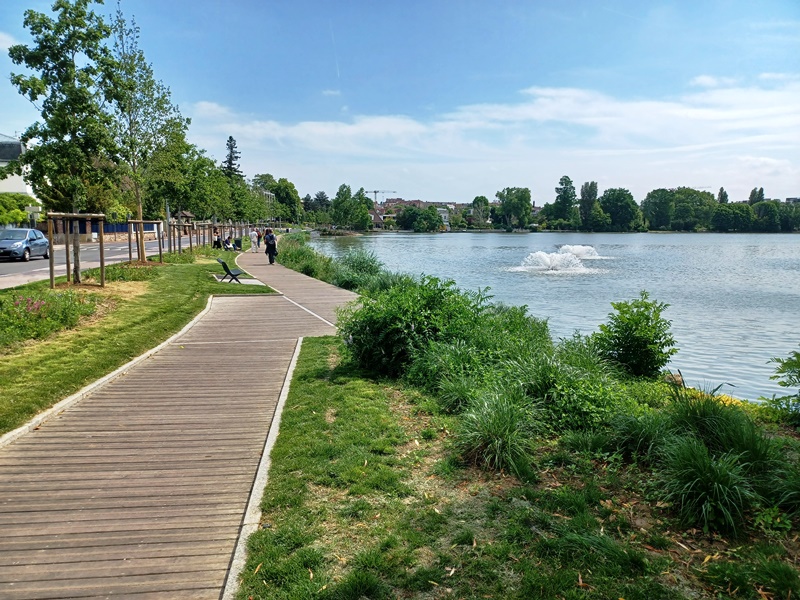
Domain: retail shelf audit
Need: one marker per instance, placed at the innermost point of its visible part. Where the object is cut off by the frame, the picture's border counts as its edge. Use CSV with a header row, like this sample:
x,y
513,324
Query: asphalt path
x,y
15,272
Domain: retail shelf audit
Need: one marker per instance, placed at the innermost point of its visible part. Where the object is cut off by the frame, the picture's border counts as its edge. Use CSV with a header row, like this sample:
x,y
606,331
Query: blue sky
x,y
445,100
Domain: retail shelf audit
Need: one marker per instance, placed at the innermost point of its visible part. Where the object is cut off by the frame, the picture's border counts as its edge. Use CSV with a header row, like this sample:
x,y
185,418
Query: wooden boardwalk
x,y
139,490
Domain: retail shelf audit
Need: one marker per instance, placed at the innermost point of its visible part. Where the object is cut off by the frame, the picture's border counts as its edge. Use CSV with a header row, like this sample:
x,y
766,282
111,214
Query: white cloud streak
x,y
730,134
6,41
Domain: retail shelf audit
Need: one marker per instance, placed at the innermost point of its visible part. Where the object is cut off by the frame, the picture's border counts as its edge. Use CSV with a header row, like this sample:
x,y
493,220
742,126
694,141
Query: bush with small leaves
x,y
637,337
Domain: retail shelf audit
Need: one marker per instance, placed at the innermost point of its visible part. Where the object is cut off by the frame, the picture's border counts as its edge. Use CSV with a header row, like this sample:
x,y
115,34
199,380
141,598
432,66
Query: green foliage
x,y
12,207
515,205
126,272
497,431
385,332
787,373
641,436
35,315
713,491
619,205
637,337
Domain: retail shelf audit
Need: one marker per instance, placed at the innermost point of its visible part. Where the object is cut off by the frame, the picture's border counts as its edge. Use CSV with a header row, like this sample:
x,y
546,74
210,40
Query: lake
x,y
734,298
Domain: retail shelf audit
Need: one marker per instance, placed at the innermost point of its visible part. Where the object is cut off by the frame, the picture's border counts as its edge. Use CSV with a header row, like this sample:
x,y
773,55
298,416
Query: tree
x,y
693,209
722,196
658,208
287,196
321,201
756,196
230,166
598,219
587,201
515,205
480,210
308,203
767,216
407,217
12,208
619,205
428,220
565,199
77,76
143,114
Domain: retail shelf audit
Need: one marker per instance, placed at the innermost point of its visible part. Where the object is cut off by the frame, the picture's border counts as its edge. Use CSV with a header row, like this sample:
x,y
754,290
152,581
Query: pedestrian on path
x,y
271,243
253,240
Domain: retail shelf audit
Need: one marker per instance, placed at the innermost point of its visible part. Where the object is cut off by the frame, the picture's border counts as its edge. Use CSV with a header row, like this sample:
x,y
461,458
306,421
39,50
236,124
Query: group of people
x,y
256,237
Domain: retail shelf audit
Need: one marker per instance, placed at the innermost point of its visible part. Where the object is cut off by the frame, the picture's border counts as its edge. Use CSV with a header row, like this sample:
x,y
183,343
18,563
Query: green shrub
x,y
581,403
713,492
177,258
126,272
637,337
35,315
384,332
497,432
787,373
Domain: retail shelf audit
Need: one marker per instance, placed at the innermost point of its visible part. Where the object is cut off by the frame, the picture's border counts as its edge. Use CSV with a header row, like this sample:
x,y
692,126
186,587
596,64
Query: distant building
x,y
11,149
793,201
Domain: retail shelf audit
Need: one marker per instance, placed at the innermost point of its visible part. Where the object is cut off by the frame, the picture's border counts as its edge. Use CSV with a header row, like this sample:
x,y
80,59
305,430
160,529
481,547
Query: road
x,y
14,273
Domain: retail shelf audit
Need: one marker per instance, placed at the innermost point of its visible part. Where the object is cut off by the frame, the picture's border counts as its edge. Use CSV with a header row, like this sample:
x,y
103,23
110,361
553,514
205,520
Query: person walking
x,y
271,244
253,240
260,235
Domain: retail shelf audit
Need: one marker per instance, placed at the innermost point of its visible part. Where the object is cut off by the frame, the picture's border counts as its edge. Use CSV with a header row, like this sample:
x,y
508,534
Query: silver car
x,y
23,244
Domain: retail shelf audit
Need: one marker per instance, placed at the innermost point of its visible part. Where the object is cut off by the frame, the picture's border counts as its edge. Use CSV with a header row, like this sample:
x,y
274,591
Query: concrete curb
x,y
64,404
252,514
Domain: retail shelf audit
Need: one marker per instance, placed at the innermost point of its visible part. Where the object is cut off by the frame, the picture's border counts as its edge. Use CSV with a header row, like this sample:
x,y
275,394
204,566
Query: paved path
x,y
140,489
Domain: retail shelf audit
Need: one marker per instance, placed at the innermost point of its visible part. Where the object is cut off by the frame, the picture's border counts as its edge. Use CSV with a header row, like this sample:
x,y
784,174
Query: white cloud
x,y
331,92
6,41
709,135
710,81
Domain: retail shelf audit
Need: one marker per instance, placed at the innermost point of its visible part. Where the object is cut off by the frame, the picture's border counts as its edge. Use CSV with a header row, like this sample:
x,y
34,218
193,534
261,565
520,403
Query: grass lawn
x,y
132,317
365,501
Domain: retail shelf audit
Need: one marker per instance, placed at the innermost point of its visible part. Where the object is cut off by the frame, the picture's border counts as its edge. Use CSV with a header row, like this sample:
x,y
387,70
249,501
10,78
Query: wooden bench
x,y
232,273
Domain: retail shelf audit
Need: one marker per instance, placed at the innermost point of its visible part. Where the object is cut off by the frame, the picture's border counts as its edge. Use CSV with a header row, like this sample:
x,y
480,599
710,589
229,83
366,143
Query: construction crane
x,y
376,192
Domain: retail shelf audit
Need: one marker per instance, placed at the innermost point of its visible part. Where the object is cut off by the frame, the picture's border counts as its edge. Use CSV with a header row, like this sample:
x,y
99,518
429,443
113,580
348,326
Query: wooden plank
x,y
140,489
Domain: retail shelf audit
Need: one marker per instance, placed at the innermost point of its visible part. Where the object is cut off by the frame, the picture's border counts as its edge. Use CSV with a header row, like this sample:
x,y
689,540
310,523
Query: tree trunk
x,y
139,213
76,252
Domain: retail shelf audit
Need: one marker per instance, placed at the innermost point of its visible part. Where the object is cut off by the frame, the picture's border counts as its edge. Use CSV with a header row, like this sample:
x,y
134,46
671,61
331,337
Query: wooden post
x,y
66,248
101,232
159,225
52,253
191,249
130,248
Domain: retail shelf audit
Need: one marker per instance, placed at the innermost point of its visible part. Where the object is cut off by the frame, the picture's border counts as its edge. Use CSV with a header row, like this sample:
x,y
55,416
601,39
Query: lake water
x,y
734,299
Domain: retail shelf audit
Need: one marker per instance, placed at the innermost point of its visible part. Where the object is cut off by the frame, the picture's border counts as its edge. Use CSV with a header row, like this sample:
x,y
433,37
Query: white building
x,y
11,149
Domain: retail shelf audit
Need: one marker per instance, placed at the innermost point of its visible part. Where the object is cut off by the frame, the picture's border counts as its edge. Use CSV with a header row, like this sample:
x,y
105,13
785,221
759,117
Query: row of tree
x,y
110,140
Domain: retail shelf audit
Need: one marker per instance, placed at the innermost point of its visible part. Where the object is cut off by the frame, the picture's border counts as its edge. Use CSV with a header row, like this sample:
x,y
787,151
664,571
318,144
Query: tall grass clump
x,y
641,436
498,431
714,491
126,272
637,337
37,314
295,254
385,332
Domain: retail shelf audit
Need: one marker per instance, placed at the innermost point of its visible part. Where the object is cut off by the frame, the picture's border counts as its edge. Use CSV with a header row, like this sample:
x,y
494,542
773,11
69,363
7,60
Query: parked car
x,y
23,244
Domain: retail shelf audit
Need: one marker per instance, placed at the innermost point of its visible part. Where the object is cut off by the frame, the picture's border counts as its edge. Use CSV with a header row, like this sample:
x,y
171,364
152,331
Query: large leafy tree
x,y
515,205
321,201
480,210
143,114
586,202
693,209
619,205
658,208
565,199
74,76
756,196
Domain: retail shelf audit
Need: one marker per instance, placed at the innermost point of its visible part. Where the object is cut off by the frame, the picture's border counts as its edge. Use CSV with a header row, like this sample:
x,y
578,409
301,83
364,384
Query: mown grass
x,y
135,313
366,499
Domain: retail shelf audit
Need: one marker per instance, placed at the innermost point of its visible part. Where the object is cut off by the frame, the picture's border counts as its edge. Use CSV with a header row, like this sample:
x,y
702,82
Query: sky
x,y
445,100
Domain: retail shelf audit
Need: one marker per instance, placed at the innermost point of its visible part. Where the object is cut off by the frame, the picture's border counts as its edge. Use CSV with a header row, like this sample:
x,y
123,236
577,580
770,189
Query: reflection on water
x,y
734,299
